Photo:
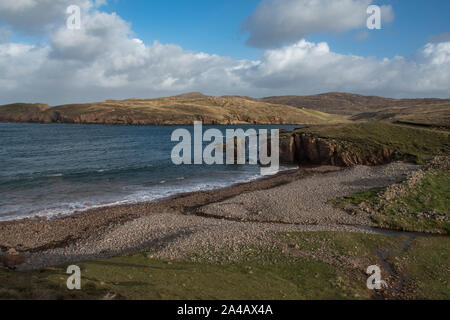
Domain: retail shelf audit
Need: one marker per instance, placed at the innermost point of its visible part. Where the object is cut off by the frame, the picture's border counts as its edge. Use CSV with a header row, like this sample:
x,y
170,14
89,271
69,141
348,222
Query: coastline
x,y
181,124
65,213
244,214
125,165
104,215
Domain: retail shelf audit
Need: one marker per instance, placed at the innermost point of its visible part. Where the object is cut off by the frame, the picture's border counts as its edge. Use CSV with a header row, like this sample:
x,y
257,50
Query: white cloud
x,y
100,34
104,60
20,65
276,22
310,68
36,17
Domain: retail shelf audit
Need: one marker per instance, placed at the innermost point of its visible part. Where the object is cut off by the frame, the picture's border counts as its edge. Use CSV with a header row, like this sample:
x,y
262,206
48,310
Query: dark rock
x,y
306,149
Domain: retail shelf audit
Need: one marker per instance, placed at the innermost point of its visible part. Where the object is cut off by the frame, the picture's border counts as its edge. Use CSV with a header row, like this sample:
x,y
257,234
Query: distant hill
x,y
188,107
349,104
435,112
192,95
183,109
432,114
23,112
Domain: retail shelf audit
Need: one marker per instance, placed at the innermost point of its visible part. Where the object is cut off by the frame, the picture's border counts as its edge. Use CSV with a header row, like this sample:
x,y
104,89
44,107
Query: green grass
x,y
357,198
322,265
138,277
432,194
427,264
405,212
45,284
342,244
409,143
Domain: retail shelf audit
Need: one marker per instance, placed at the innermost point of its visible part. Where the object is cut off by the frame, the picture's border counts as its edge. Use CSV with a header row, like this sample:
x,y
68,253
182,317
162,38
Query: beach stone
x,y
11,258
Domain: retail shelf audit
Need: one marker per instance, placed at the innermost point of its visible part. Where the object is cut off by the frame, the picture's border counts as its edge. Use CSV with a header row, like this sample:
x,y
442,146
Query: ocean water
x,y
49,170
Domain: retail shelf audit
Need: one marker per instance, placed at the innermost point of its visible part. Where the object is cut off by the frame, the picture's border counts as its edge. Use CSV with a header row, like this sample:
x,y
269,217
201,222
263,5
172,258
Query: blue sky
x,y
415,21
211,26
145,49
214,26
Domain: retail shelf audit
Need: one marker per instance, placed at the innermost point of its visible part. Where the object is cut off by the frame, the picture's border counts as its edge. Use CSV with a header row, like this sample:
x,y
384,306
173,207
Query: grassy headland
x,y
366,139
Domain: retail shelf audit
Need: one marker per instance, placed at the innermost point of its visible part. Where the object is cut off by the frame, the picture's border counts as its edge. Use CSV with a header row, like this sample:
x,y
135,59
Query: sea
x,y
55,170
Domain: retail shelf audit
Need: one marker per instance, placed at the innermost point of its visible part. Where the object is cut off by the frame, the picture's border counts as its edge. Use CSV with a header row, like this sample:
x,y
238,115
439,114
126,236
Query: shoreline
x,y
48,216
243,214
106,215
190,124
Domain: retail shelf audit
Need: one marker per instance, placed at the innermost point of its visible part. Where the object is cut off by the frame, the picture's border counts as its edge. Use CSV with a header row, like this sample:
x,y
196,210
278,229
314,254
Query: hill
x,y
350,104
434,112
184,109
22,112
431,114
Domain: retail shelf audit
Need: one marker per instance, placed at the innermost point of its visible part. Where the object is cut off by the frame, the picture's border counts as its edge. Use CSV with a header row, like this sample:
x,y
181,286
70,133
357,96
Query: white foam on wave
x,y
55,175
154,193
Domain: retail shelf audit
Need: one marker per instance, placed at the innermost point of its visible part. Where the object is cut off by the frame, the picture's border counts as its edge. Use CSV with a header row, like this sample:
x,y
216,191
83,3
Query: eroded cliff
x,y
303,148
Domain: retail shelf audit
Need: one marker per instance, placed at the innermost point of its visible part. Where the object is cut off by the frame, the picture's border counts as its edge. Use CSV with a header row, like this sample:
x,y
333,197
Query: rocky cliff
x,y
304,148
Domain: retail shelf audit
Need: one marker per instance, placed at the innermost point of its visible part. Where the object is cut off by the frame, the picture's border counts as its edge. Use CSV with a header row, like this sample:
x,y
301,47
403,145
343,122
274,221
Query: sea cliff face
x,y
362,143
304,148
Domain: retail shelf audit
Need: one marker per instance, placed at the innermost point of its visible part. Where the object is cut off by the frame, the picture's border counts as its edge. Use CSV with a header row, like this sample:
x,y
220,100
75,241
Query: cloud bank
x,y
104,60
277,22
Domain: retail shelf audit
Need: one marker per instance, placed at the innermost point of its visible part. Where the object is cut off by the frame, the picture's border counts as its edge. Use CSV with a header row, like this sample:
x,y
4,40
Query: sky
x,y
145,49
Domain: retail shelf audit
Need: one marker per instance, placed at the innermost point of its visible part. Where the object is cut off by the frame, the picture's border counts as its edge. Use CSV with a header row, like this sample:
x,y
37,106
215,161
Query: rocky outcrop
x,y
304,148
11,258
287,150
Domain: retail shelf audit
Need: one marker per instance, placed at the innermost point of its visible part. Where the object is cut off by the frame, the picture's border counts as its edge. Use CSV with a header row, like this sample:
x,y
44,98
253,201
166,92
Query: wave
x,y
42,176
151,194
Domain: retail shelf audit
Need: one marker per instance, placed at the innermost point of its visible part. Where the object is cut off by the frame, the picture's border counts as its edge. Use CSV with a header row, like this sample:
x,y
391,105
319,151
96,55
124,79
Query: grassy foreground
x,y
324,265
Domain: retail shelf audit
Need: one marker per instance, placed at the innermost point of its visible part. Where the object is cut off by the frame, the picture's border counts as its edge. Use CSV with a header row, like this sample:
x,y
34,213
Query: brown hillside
x,y
428,112
184,109
350,104
23,112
